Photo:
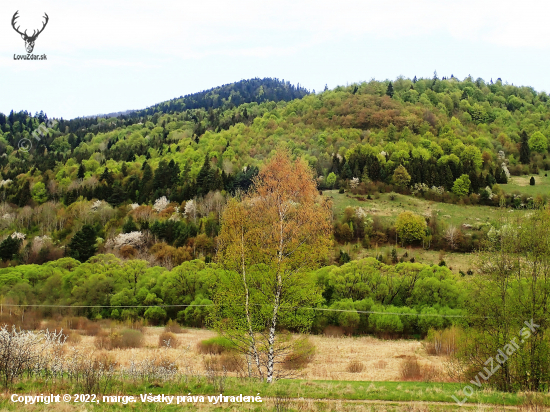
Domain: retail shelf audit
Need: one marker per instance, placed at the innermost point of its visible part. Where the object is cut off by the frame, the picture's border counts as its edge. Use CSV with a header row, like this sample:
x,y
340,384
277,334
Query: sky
x,y
108,56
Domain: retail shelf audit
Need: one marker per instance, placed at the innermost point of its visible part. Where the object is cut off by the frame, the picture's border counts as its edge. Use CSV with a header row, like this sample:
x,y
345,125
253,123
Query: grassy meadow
x,y
326,384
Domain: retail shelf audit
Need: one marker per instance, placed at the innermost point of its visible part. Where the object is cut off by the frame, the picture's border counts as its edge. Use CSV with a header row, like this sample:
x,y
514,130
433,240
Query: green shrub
x,y
215,346
155,315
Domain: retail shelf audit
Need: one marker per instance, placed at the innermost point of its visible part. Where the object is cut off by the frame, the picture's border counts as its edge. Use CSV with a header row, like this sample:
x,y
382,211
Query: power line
x,y
257,304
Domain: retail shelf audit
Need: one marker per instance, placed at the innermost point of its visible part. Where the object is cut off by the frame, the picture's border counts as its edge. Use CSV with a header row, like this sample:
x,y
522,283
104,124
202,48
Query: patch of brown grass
x,y
410,369
124,339
73,338
228,362
333,331
168,340
355,367
302,354
173,327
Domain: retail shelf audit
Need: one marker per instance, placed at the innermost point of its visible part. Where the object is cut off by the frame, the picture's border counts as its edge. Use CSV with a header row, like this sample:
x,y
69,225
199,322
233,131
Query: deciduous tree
x,y
270,240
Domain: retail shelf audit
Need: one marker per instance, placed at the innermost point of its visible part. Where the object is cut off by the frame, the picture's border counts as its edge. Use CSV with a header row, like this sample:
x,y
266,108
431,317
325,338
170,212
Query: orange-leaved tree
x,y
270,241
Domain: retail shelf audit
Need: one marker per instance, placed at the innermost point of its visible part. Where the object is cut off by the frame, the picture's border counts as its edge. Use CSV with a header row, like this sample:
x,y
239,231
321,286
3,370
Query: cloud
x,y
195,29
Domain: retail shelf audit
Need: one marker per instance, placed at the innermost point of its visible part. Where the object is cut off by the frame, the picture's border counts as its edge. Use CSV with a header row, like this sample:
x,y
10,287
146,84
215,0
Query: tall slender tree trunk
x,y
271,338
253,348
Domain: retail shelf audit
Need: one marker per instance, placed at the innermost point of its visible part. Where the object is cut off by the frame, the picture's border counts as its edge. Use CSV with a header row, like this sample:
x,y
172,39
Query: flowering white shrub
x,y
18,235
354,182
134,206
490,194
126,239
190,208
158,366
506,171
360,212
97,204
438,189
160,204
39,241
23,351
5,182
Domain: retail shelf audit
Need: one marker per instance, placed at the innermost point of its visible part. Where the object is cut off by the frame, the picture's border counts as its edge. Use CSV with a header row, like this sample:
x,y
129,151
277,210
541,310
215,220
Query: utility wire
x,y
257,304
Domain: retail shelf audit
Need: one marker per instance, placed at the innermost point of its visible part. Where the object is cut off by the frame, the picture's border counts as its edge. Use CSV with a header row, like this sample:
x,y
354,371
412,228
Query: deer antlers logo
x,y
29,40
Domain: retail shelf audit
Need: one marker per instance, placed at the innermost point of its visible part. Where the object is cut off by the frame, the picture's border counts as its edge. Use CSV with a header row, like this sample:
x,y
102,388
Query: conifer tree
x,y
82,245
389,90
81,171
524,151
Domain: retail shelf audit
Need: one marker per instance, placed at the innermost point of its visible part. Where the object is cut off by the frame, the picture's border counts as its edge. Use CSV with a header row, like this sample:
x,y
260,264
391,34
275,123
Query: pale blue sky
x,y
106,56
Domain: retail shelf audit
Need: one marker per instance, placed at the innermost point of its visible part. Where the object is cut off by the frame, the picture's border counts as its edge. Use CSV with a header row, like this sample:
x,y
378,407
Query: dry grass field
x,y
375,359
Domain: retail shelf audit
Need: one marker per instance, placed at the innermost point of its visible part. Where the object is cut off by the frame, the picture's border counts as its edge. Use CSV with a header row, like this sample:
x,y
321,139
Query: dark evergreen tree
x,y
447,177
203,186
474,182
389,90
129,226
524,151
82,245
81,171
9,247
24,194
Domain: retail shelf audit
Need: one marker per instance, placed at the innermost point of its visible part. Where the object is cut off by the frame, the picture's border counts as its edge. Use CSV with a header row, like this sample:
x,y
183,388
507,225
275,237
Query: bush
x,y
168,340
343,258
129,338
410,227
173,327
410,369
302,354
155,315
102,340
355,367
215,346
442,342
88,327
73,338
229,362
125,339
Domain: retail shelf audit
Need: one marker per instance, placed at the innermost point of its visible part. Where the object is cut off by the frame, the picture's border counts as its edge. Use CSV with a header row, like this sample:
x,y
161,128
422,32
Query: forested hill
x,y
215,100
227,95
233,94
455,140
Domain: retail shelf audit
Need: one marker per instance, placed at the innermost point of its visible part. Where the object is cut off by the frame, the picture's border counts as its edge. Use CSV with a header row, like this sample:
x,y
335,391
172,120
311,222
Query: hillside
x,y
441,139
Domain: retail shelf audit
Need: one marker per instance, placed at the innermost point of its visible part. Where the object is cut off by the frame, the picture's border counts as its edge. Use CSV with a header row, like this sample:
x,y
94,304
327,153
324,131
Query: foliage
x,y
269,242
410,227
507,306
82,245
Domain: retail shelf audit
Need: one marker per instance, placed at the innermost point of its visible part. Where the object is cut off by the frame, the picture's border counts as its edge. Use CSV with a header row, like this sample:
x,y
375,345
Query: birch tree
x,y
271,239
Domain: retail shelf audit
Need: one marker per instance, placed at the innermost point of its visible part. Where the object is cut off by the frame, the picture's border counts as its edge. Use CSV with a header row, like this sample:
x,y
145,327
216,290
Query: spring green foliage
x,y
461,186
358,285
538,142
401,177
39,193
509,303
215,142
410,227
